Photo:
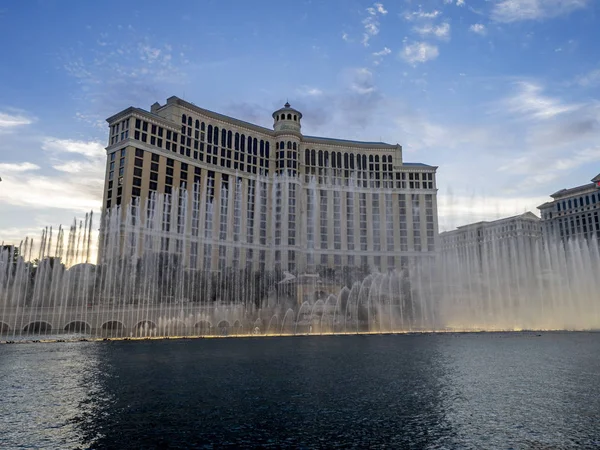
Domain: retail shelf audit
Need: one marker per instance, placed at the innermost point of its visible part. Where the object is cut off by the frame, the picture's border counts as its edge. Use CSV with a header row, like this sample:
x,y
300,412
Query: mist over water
x,y
148,285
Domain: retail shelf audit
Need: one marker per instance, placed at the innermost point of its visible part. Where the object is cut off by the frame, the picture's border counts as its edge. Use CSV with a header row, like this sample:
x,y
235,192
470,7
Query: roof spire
x,y
287,103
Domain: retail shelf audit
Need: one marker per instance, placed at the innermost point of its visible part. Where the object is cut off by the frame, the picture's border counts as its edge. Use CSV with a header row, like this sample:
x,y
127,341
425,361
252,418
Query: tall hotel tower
x,y
240,195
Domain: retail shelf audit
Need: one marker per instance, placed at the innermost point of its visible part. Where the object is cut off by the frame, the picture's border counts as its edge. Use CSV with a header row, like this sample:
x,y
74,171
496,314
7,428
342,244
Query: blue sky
x,y
502,95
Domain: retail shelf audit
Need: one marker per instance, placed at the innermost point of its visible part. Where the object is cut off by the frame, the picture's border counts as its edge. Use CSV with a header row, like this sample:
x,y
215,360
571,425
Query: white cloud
x,y
441,31
362,81
371,22
419,52
517,10
310,91
345,37
385,51
76,184
10,121
478,28
460,2
529,103
89,149
589,79
420,15
17,167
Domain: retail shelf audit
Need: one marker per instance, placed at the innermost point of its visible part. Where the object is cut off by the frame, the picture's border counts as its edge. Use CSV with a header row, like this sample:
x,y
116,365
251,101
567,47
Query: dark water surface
x,y
480,391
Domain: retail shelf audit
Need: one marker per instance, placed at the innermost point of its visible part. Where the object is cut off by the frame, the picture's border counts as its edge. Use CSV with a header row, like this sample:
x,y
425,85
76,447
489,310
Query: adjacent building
x,y
573,212
510,237
242,195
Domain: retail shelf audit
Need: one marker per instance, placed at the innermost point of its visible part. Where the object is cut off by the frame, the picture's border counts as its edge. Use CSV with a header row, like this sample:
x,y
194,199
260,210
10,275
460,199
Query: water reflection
x,y
44,389
426,391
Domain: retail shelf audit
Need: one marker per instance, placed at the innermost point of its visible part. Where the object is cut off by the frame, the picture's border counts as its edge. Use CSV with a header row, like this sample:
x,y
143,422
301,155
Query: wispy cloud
x,y
10,121
517,10
441,31
529,103
421,15
75,185
371,22
419,52
92,150
589,79
310,91
478,28
17,167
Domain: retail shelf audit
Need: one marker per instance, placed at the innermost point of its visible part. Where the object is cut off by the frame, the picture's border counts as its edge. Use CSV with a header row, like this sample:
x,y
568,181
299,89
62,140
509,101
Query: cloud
x,y
377,8
529,103
385,51
371,22
17,167
589,79
8,121
460,2
419,52
345,37
517,10
362,81
421,15
73,184
441,31
310,91
478,28
88,149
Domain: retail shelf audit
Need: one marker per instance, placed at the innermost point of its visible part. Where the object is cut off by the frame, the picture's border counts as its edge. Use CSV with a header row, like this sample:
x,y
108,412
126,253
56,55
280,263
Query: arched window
x,y
339,160
294,146
229,135
197,124
313,160
289,145
183,119
262,148
370,158
255,147
289,116
210,132
384,159
364,158
351,161
277,117
267,150
346,162
249,149
358,162
276,145
281,145
237,141
189,121
223,137
295,117
321,158
307,157
376,158
243,143
202,126
216,136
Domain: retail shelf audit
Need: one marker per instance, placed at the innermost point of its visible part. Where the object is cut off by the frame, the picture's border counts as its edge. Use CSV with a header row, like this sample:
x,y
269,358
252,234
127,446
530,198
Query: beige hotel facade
x,y
242,195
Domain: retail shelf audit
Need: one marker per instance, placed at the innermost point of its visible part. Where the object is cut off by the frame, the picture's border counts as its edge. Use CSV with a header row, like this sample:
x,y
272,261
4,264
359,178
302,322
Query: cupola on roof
x,y
287,119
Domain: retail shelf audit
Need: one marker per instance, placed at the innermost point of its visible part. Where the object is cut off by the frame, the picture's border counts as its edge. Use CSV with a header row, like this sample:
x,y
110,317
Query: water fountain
x,y
142,289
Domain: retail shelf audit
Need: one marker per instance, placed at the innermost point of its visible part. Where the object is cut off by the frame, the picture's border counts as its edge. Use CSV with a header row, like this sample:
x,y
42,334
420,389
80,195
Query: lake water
x,y
480,391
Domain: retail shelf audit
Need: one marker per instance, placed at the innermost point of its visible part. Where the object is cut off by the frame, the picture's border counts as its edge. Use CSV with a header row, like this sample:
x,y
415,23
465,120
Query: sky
x,y
502,95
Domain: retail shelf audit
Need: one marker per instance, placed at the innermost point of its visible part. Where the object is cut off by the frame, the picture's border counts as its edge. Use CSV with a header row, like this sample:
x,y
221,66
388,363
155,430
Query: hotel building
x,y
242,195
573,212
513,238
